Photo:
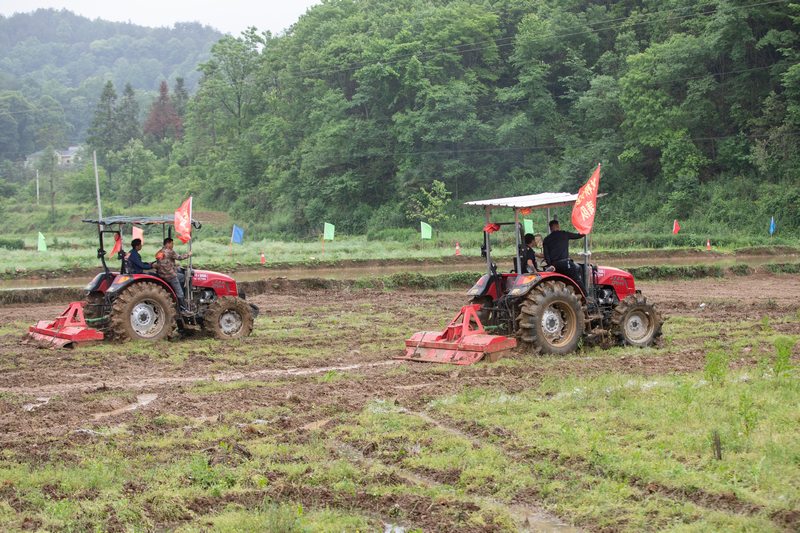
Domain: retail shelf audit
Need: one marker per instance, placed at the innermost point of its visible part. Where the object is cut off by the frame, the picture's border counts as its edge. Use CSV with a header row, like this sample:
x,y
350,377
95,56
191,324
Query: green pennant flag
x,y
328,231
528,223
42,246
425,229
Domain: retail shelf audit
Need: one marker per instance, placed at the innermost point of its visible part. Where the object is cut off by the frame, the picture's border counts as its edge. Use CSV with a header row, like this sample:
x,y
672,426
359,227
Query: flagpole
x,y
189,275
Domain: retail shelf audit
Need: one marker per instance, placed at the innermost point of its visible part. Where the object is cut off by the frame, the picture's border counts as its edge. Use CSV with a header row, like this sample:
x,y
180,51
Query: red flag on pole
x,y
117,245
675,227
183,221
586,205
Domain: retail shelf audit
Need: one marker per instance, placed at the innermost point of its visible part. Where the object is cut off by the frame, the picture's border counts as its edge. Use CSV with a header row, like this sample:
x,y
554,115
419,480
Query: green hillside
x,y
53,65
373,114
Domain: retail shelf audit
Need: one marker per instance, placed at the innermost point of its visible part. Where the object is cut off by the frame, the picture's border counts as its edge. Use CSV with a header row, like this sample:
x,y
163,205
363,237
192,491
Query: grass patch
x,y
597,444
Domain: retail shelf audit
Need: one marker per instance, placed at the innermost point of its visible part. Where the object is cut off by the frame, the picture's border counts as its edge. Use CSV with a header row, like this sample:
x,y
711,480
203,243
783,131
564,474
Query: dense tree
x,y
135,167
127,117
57,54
103,131
693,109
163,125
180,98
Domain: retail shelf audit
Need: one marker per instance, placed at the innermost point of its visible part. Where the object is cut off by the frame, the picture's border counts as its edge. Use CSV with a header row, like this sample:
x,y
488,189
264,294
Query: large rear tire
x,y
551,318
636,322
143,311
93,306
229,318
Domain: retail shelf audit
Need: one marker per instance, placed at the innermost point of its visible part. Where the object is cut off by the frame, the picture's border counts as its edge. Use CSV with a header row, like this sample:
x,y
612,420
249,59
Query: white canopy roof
x,y
543,200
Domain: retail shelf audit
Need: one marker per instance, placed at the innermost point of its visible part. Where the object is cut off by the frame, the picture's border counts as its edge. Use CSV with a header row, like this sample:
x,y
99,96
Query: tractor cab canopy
x,y
163,220
114,224
545,200
521,205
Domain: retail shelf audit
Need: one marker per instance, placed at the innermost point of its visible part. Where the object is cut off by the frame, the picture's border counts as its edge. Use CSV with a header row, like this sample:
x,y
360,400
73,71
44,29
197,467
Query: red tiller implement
x,y
463,342
68,329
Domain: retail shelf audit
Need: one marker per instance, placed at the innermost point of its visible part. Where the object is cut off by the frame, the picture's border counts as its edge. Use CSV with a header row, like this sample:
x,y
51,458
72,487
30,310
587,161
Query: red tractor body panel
x,y
517,285
622,281
221,284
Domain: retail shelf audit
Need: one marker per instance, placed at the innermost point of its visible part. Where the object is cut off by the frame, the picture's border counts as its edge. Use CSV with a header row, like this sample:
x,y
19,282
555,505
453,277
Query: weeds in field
x,y
783,355
716,367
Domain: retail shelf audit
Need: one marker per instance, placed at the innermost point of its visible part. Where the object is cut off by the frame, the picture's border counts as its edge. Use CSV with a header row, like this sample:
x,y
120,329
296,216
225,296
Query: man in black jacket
x,y
556,253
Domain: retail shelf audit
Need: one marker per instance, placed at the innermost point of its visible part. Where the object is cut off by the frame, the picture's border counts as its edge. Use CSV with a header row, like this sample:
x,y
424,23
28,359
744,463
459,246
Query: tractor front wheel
x,y
551,318
636,322
143,311
229,318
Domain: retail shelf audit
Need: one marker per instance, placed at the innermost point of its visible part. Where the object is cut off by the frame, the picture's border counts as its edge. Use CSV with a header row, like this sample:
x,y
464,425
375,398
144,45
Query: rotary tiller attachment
x,y
68,329
463,342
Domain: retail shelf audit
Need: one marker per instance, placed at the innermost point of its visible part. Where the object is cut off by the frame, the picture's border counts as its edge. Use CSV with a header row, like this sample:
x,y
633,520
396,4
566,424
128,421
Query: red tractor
x,y
129,306
545,309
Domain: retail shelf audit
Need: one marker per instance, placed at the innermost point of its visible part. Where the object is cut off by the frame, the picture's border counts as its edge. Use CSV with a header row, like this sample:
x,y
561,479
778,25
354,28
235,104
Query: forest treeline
x,y
370,113
54,65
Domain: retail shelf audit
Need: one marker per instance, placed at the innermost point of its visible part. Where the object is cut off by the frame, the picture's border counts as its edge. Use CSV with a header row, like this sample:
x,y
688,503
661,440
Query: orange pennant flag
x,y
183,221
586,204
117,245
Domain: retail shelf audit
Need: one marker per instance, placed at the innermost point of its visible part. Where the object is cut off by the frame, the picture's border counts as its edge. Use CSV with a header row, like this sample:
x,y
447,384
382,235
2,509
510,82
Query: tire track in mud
x,y
88,386
726,502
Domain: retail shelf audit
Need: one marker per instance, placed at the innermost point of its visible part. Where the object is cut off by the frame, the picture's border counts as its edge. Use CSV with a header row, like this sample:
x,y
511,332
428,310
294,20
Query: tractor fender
x,y
126,280
525,283
101,282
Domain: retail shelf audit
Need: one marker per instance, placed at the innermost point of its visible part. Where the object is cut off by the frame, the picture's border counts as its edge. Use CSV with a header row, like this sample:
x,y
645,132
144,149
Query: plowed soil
x,y
328,352
133,368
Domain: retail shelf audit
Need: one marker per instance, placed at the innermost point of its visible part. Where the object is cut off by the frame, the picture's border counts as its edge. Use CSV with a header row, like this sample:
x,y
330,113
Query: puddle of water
x,y
141,401
40,401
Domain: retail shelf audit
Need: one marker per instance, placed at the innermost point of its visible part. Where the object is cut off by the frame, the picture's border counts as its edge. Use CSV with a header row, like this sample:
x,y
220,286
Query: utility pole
x,y
37,186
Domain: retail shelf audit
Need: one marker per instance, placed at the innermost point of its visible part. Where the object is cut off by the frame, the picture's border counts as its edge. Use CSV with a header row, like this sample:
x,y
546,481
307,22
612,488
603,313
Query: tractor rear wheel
x,y
229,318
143,311
93,306
551,318
636,322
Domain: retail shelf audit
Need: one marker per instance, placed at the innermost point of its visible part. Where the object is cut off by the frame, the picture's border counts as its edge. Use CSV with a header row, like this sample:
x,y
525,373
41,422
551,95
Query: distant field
x,y
71,253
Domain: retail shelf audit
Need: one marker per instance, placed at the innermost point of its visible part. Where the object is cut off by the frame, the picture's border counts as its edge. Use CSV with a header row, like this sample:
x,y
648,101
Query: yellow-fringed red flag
x,y
586,204
183,221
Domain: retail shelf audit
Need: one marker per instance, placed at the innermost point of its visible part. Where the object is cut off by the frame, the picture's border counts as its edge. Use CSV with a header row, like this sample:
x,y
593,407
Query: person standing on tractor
x,y
134,259
556,253
166,268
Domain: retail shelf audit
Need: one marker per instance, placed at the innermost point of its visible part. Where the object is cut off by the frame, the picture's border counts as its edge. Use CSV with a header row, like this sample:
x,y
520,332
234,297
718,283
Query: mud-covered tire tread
x,y
628,304
535,302
92,305
216,309
123,304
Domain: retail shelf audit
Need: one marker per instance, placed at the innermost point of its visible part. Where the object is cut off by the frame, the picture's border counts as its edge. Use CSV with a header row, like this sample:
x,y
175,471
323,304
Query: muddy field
x,y
307,387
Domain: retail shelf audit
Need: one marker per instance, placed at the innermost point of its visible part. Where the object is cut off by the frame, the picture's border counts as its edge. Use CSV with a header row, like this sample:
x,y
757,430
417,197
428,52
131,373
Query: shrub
x,y
12,244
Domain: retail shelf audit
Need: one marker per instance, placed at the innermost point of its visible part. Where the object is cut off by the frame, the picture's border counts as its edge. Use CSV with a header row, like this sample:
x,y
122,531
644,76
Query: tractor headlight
x,y
523,284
